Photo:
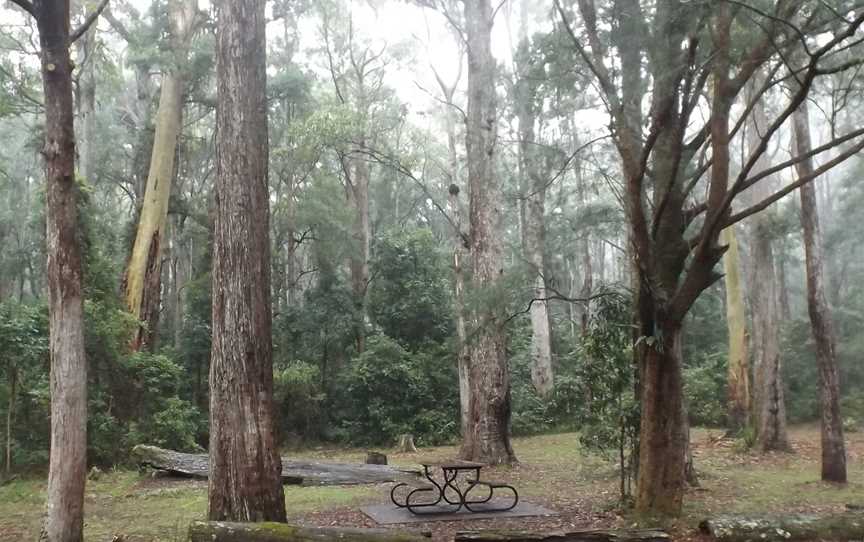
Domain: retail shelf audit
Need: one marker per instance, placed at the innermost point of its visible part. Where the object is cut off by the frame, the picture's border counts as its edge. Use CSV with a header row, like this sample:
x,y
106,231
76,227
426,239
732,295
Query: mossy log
x,y
222,531
844,526
307,473
588,535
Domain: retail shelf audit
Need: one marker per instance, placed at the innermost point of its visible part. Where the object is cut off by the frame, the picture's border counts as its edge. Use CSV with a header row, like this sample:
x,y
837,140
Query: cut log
x,y
845,526
406,444
307,473
589,535
220,531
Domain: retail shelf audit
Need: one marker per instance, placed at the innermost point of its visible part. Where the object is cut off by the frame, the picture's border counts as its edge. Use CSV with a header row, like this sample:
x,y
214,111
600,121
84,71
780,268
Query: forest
x,y
253,228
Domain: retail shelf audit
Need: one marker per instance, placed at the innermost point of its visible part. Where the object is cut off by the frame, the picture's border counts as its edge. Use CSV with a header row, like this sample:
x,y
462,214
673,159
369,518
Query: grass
x,y
552,471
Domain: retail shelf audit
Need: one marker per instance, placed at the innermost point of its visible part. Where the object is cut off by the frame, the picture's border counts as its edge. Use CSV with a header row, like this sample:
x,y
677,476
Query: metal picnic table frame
x,y
449,491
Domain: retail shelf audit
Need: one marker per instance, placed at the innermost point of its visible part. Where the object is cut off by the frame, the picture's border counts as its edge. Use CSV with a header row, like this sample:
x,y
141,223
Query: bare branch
x,y
27,6
801,181
88,22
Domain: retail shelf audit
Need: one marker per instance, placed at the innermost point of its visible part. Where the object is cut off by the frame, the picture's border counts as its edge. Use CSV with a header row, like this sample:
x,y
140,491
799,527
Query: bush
x,y
705,390
298,396
387,391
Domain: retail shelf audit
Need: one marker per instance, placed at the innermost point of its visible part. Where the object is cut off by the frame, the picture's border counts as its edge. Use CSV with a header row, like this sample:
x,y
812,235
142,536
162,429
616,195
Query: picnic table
x,y
446,494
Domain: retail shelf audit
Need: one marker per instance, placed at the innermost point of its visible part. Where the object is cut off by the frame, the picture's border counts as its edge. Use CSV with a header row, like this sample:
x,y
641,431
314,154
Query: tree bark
x,y
67,474
586,535
245,481
488,436
86,100
211,531
738,366
463,356
533,229
142,282
663,433
847,526
770,405
833,446
358,197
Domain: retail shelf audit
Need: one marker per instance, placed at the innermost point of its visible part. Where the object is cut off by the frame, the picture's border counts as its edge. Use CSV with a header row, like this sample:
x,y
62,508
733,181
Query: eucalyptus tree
x,y
488,429
245,481
833,445
665,53
142,280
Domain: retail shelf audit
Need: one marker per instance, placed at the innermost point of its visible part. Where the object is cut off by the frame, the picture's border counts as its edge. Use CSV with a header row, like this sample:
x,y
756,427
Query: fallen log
x,y
222,531
844,526
308,473
588,535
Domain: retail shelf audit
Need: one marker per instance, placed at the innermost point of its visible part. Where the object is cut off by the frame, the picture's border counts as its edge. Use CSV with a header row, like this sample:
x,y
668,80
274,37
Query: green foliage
x,y
705,390
409,297
387,391
609,417
299,398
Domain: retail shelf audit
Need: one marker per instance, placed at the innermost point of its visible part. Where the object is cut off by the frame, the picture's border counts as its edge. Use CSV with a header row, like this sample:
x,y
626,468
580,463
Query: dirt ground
x,y
552,472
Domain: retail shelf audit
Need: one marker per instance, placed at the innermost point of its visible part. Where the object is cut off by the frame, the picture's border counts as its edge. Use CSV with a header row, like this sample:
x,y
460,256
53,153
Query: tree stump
x,y
376,458
406,443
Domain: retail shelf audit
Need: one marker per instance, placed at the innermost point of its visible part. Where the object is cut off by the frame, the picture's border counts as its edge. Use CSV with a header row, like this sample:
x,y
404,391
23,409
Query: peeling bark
x,y
142,282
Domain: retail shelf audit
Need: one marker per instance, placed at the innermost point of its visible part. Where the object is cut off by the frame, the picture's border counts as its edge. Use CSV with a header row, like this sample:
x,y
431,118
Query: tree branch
x,y
27,6
801,181
88,22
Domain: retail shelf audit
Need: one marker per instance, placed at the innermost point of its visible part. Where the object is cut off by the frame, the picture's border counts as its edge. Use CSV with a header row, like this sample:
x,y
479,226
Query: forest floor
x,y
552,472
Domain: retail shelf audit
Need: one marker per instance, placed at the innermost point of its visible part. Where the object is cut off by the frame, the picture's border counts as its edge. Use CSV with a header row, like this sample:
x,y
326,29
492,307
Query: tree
x,y
673,234
533,172
488,436
245,482
67,470
768,393
143,278
833,446
738,367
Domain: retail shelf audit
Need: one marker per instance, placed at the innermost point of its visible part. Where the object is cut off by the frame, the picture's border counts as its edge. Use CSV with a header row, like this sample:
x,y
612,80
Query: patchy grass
x,y
553,471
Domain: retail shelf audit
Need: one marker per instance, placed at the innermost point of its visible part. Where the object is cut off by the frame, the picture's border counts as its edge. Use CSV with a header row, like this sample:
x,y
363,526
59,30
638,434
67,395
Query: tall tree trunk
x,y
833,447
533,203
738,367
488,436
67,471
358,193
245,482
86,101
663,432
463,356
10,415
770,405
143,278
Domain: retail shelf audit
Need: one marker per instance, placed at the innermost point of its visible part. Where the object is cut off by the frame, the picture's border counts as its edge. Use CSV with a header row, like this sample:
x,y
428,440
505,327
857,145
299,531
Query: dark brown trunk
x,y
245,482
833,446
663,431
64,520
488,437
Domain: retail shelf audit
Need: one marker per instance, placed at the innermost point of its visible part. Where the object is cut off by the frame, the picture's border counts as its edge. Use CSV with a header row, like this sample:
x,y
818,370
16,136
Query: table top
x,y
452,464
